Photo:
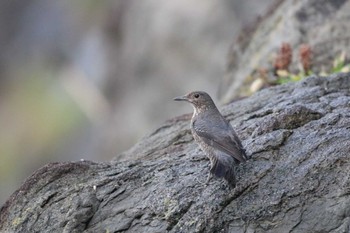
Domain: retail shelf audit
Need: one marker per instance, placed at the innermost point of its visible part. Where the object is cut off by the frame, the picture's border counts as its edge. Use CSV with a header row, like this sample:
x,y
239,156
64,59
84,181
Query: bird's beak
x,y
181,98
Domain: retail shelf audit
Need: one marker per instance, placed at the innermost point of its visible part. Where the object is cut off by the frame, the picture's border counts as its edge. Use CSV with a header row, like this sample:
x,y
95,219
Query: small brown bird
x,y
215,136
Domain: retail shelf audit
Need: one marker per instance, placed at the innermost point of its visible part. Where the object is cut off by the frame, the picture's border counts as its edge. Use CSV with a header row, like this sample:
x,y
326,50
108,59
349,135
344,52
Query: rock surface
x,y
296,180
324,25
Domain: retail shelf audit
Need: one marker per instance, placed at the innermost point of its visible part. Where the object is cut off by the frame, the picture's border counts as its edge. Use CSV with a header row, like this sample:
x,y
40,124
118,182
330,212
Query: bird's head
x,y
199,99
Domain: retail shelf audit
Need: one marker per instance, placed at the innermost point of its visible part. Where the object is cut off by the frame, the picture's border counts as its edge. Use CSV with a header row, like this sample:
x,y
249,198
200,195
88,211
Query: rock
x,y
323,25
297,178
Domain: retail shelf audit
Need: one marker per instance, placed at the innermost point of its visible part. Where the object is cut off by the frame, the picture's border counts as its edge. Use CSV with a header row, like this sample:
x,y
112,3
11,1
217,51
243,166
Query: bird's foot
x,y
201,182
206,183
209,178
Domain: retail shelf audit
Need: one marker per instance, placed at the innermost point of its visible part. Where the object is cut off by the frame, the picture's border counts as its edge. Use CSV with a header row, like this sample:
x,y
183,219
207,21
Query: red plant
x,y
284,57
305,53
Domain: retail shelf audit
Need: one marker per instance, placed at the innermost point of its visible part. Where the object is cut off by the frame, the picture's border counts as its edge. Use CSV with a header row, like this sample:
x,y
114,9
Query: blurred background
x,y
86,79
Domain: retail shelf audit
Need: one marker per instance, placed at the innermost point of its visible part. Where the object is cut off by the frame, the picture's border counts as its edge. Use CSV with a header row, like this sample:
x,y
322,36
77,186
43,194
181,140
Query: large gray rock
x,y
296,180
324,25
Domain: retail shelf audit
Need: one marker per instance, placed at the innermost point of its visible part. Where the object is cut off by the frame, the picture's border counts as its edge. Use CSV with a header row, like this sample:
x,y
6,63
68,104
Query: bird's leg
x,y
210,175
209,178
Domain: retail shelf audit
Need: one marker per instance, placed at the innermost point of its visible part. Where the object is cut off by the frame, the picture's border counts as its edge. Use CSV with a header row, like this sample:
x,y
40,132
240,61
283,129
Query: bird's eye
x,y
196,96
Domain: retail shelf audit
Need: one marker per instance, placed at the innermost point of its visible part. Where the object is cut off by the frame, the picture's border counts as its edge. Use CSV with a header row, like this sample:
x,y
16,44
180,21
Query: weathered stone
x,y
296,180
323,25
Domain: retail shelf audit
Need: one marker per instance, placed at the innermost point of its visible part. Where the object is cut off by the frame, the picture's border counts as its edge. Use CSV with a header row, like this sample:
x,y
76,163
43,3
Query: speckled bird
x,y
215,136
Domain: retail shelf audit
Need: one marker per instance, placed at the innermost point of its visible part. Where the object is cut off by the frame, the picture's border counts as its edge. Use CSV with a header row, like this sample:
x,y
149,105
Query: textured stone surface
x,y
324,25
296,180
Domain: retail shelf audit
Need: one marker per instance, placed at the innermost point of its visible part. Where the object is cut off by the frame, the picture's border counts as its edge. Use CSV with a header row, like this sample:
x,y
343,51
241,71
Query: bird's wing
x,y
223,139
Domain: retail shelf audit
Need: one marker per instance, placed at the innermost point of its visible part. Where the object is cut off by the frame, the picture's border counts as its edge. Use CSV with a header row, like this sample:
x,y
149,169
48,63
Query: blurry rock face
x,y
324,25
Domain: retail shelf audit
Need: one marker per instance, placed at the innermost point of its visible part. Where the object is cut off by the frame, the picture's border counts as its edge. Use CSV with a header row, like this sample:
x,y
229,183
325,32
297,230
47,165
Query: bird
x,y
215,136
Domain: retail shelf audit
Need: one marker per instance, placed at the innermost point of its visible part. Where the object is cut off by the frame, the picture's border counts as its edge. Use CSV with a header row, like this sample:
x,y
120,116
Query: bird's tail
x,y
224,167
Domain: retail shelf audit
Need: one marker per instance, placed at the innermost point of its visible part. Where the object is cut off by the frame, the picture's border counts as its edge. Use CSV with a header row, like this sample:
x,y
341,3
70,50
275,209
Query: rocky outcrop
x,y
323,25
296,180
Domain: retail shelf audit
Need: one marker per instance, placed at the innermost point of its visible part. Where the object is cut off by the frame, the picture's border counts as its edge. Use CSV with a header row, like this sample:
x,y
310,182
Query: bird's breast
x,y
207,149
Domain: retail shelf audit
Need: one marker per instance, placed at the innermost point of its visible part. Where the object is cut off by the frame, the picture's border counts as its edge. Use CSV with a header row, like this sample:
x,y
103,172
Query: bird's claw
x,y
209,178
202,183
